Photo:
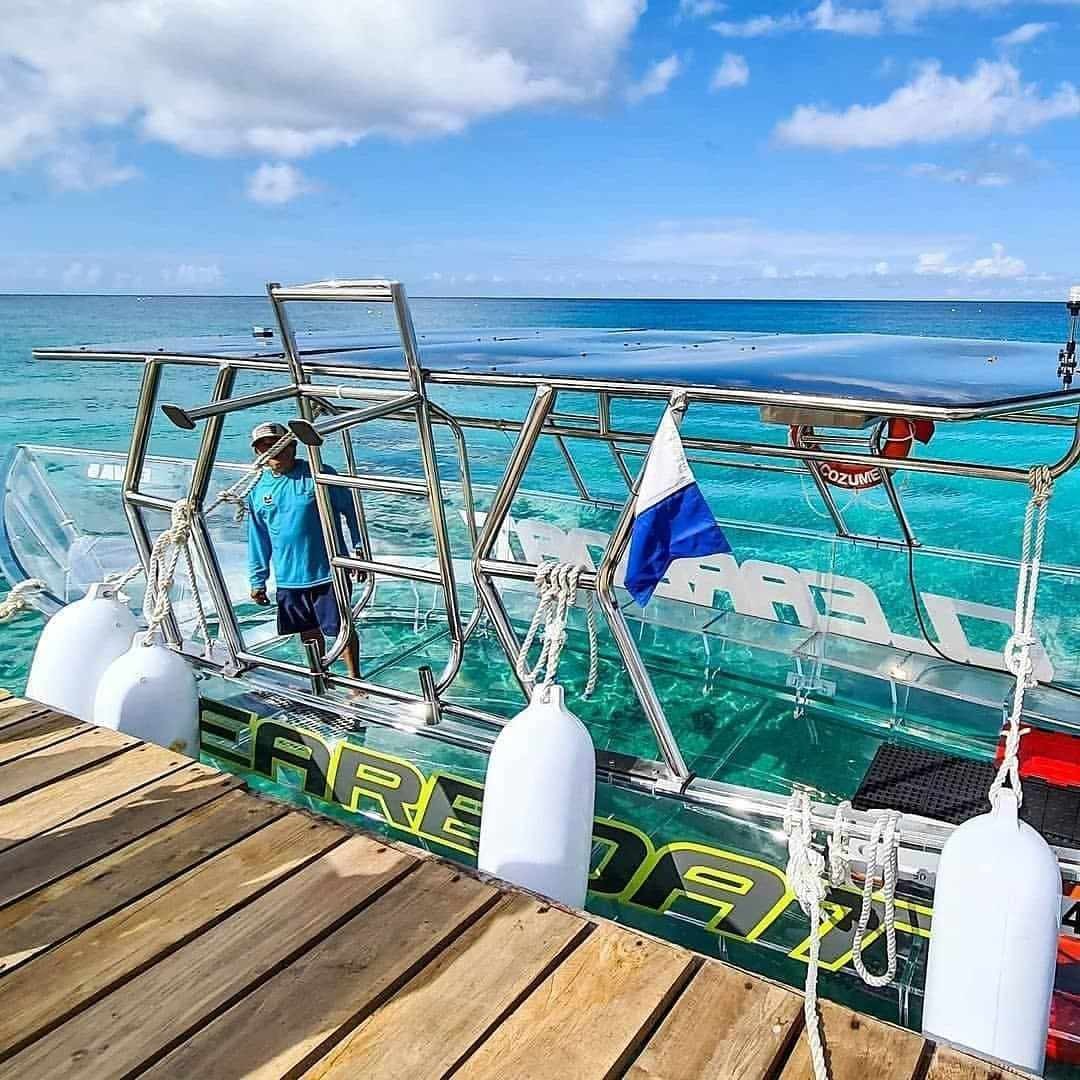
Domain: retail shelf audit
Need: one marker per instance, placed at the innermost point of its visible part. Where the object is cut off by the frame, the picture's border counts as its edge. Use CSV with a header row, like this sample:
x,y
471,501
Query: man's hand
x,y
260,597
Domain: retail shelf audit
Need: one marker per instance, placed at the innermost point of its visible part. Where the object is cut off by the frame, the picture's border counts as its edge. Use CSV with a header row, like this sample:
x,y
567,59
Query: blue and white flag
x,y
671,518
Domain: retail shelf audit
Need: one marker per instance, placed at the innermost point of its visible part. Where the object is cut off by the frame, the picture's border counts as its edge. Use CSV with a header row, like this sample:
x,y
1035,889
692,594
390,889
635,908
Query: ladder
x,y
311,430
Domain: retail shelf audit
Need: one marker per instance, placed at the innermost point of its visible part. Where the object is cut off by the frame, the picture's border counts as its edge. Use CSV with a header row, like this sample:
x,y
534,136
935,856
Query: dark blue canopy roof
x,y
920,371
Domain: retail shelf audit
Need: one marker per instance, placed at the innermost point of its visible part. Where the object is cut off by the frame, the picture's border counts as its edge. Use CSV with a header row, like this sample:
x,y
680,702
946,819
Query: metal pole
x,y
201,475
430,462
133,470
486,593
314,434
339,578
571,466
186,418
314,659
624,640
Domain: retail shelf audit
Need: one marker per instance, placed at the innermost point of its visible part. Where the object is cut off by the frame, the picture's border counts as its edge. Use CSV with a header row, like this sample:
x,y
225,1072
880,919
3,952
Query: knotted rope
x,y
174,543
16,602
804,869
1023,639
556,586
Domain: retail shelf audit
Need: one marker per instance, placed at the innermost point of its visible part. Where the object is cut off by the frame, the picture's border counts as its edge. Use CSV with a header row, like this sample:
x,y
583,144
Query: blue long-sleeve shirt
x,y
283,527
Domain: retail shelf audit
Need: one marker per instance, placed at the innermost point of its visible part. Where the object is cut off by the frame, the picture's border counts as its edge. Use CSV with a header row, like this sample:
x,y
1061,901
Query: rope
x,y
174,542
804,869
556,586
1018,647
839,862
16,602
884,834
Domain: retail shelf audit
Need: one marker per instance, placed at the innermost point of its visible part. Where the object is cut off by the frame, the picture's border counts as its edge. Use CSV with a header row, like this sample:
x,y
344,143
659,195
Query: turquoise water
x,y
92,406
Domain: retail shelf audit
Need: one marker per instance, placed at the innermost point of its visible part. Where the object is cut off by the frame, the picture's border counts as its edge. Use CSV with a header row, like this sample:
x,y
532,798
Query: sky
x,y
682,148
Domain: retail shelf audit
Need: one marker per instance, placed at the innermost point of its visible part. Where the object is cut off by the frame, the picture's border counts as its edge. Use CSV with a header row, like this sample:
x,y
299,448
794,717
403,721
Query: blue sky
x,y
877,148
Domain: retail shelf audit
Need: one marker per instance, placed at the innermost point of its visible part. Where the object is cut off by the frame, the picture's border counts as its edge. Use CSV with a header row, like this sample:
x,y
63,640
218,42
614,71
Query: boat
x,y
851,647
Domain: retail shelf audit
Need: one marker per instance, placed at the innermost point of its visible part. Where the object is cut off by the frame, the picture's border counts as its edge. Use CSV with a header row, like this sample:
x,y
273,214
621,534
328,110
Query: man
x,y
284,528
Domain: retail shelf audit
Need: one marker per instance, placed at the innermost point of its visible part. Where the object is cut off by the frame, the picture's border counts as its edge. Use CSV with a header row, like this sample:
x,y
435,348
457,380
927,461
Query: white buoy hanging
x,y
75,648
997,901
150,693
539,794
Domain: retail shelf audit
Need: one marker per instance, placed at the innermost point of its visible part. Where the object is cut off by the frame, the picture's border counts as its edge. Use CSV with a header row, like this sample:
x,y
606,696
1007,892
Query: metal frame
x,y
427,711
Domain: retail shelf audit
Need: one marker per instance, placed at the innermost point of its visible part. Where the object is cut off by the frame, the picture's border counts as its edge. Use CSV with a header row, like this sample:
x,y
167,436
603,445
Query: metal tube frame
x,y
487,594
646,776
133,470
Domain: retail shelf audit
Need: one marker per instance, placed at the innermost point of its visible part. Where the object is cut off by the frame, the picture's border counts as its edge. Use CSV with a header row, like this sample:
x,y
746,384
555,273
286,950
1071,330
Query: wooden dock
x,y
157,920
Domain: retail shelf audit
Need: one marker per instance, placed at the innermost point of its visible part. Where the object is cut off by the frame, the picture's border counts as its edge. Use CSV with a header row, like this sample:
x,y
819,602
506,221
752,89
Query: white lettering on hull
x,y
817,600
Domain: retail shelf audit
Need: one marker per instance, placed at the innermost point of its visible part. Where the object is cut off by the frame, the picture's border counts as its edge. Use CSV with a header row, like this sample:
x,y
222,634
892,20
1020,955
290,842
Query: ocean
x,y
92,406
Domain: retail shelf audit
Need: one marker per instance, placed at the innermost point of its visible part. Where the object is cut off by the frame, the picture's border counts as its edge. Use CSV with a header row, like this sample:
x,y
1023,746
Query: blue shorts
x,y
302,610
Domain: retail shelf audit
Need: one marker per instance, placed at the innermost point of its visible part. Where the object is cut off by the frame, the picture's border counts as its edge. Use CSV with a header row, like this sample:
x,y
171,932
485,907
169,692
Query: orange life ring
x,y
893,438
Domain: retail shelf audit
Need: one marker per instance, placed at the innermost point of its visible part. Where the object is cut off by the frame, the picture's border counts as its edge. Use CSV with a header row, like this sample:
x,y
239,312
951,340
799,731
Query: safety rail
x,y
326,409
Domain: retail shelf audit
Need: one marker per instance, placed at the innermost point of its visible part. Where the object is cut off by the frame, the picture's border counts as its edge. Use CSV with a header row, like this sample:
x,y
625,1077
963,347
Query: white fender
x,y
76,646
993,948
150,693
539,796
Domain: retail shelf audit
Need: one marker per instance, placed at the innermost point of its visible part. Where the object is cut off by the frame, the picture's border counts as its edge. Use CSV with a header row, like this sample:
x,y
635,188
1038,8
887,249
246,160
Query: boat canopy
x,y
941,378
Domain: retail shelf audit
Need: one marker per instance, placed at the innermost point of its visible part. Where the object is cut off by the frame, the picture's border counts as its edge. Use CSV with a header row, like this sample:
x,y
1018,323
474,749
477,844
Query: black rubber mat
x,y
952,789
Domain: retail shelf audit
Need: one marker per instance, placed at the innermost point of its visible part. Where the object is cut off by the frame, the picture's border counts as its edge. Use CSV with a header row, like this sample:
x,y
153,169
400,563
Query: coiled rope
x,y
16,602
1019,646
883,855
556,586
805,869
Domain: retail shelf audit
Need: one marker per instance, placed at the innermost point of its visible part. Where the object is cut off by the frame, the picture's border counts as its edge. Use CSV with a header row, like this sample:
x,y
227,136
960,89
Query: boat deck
x,y
156,919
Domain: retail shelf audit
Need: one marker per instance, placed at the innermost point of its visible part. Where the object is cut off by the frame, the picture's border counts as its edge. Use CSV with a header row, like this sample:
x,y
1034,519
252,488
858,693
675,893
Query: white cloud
x,y
265,77
857,21
79,275
1024,34
700,9
996,265
881,268
935,107
861,22
273,185
656,79
759,26
993,166
733,71
747,242
905,13
190,275
946,175
79,167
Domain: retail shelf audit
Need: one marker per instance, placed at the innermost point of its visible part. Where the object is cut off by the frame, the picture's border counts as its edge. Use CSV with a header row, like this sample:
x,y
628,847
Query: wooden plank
x,y
48,916
305,1009
45,858
149,1015
60,760
26,736
858,1047
15,709
590,1015
950,1064
727,1025
41,993
51,806
446,1010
